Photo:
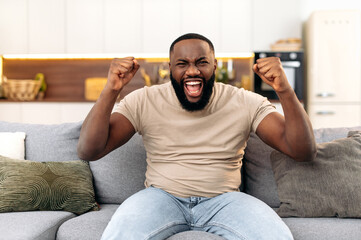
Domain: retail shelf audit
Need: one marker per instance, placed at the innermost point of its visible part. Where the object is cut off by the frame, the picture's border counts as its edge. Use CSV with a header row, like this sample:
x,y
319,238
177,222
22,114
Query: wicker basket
x,y
21,89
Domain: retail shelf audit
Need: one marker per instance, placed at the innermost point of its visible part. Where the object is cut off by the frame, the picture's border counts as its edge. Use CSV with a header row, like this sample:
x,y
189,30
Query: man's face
x,y
192,66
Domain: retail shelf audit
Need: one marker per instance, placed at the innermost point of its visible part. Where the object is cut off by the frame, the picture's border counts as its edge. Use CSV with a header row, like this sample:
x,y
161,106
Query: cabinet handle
x,y
325,112
291,64
325,94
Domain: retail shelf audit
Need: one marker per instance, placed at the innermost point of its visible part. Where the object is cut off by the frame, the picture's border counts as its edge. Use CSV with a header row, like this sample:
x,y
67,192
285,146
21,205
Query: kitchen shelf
x,y
65,74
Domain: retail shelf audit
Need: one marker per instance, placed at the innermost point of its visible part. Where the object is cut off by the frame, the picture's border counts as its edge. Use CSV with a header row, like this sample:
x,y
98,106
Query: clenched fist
x,y
121,71
271,72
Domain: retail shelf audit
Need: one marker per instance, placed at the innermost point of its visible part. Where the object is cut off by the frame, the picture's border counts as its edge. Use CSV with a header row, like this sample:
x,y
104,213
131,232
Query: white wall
x,y
113,26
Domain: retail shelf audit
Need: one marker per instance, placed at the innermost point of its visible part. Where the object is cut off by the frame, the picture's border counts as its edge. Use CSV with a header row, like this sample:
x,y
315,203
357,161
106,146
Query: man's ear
x,y
215,64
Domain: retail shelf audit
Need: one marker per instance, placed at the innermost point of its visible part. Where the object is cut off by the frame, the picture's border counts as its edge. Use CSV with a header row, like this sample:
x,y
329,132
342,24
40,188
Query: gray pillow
x,y
329,186
258,178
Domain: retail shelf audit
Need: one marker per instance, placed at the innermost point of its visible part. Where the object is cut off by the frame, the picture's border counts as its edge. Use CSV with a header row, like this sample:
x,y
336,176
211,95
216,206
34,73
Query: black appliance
x,y
292,63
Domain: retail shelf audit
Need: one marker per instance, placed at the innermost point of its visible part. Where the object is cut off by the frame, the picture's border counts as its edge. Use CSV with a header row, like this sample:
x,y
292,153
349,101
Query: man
x,y
195,131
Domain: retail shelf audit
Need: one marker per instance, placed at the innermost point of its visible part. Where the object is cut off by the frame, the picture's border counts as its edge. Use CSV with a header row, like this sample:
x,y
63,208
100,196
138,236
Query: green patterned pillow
x,y
28,186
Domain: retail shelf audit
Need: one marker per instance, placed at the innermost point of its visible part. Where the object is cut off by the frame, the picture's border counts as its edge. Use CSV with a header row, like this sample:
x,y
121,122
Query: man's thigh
x,y
148,214
237,215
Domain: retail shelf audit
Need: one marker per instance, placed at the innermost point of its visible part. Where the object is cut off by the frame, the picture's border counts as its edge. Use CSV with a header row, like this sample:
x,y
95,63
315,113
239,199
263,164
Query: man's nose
x,y
192,70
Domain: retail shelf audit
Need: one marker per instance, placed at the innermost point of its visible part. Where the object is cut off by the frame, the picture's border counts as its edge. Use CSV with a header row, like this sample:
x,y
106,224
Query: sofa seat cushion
x,y
89,226
36,225
324,228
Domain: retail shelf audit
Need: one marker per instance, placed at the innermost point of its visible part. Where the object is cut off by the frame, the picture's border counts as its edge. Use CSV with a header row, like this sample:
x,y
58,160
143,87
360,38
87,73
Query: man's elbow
x,y
85,155
308,155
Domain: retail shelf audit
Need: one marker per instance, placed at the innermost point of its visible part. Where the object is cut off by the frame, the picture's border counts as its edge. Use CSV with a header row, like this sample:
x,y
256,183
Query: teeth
x,y
193,83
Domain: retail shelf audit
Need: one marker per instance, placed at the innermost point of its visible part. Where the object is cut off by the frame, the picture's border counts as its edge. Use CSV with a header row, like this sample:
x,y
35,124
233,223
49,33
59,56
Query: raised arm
x,y
293,133
102,131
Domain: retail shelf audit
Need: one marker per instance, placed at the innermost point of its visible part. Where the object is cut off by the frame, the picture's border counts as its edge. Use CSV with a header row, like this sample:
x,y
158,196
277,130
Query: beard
x,y
202,102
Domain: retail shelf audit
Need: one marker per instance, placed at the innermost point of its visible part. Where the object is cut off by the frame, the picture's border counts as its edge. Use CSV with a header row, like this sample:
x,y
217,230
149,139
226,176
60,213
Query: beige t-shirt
x,y
194,153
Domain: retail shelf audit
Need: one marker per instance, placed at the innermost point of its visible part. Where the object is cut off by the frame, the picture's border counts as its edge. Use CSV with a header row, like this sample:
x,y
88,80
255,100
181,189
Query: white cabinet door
x,y
84,26
324,116
236,27
274,20
203,17
46,26
334,57
13,26
123,26
161,24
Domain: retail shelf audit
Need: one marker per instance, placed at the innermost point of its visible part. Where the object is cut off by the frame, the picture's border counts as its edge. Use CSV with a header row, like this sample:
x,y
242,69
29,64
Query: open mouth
x,y
193,89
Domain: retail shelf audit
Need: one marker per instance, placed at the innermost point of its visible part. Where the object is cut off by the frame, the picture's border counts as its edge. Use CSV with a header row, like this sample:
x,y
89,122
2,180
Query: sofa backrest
x,y
116,176
122,172
258,178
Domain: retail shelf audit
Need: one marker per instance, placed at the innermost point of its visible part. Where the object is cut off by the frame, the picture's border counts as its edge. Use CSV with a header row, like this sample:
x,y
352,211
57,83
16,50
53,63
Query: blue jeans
x,y
155,214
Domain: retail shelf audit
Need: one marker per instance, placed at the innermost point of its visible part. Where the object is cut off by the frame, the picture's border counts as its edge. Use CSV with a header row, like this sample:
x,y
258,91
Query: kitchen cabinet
x,y
161,24
333,115
202,16
333,64
46,26
84,26
13,39
235,27
274,20
123,26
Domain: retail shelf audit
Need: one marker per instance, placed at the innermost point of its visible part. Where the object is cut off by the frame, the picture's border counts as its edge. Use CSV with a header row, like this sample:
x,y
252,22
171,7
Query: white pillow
x,y
12,144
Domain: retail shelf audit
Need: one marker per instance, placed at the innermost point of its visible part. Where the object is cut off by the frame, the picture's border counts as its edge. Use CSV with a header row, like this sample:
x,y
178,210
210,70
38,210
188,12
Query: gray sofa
x,y
121,173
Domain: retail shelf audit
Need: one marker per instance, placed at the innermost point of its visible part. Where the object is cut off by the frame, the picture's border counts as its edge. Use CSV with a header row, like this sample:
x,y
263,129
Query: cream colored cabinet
x,y
44,113
334,57
328,115
333,67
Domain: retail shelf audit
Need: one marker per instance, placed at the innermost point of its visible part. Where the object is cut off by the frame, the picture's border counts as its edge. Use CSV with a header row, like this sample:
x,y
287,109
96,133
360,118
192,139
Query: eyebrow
x,y
184,60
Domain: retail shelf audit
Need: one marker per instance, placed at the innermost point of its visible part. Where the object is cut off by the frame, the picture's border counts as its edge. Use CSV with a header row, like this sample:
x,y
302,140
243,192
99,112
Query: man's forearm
x,y
95,129
298,128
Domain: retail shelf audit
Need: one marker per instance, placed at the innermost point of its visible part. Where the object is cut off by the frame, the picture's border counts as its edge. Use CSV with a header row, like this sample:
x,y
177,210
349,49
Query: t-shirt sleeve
x,y
261,107
129,106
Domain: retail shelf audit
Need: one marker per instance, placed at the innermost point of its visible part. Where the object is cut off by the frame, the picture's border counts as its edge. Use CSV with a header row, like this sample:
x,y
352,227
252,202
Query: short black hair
x,y
191,36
